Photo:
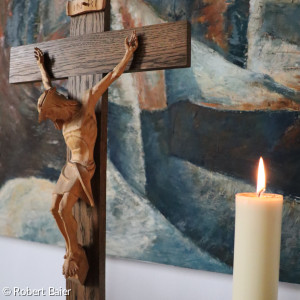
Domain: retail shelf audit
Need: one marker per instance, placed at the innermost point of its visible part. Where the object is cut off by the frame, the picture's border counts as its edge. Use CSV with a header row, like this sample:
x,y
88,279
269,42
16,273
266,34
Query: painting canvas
x,y
181,143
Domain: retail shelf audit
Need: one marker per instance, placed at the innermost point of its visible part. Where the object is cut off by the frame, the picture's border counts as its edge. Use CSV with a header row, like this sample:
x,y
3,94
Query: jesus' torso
x,y
80,135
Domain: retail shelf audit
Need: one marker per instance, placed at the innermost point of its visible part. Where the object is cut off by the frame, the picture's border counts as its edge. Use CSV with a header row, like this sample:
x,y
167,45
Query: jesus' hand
x,y
131,43
39,55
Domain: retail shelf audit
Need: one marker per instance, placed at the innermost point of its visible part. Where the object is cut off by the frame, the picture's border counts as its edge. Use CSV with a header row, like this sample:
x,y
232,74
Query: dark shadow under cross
x,y
83,58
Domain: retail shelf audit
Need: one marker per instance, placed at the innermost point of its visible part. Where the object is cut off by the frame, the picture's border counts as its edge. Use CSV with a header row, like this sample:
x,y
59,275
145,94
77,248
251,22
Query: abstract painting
x,y
181,143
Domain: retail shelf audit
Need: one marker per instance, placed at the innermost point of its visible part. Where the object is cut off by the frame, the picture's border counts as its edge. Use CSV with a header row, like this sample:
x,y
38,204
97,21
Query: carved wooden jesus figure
x,y
79,127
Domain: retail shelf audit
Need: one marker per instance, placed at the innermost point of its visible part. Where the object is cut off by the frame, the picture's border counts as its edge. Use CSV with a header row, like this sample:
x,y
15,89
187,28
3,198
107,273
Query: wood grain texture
x,y
162,46
92,221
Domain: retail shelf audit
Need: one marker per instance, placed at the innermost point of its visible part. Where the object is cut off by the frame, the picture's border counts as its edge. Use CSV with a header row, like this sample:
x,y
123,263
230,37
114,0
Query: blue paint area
x,y
149,235
173,10
276,87
290,243
178,192
15,24
122,145
235,24
281,21
212,139
24,26
200,203
178,89
32,21
50,173
42,229
171,250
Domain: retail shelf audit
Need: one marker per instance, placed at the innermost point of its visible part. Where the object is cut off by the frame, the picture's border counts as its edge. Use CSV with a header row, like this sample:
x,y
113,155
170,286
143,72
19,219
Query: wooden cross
x,y
83,58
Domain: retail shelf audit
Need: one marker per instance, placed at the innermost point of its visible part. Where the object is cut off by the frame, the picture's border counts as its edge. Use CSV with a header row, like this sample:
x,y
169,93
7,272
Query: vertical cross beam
x,y
92,221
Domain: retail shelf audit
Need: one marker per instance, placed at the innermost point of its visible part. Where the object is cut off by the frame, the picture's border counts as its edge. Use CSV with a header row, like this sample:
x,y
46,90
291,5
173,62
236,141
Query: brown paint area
x,y
213,16
296,86
151,96
127,20
281,104
5,11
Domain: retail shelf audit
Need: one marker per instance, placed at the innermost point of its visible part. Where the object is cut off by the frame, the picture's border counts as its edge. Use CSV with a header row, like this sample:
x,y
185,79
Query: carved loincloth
x,y
76,179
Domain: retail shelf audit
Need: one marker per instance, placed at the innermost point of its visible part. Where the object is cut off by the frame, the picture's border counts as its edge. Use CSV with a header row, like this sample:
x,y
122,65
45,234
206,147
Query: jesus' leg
x,y
56,199
75,251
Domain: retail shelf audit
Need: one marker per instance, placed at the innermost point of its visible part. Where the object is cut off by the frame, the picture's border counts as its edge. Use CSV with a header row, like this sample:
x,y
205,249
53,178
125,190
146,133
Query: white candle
x,y
257,245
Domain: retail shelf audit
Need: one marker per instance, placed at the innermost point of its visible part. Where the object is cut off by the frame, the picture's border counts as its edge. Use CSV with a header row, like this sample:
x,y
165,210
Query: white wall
x,y
25,264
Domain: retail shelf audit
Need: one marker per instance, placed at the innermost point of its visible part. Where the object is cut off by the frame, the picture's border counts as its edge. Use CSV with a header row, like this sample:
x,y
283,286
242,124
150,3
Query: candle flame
x,y
261,178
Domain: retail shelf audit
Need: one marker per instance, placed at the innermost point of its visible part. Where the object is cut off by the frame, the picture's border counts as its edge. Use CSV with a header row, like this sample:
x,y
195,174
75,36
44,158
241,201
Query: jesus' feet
x,y
72,263
72,268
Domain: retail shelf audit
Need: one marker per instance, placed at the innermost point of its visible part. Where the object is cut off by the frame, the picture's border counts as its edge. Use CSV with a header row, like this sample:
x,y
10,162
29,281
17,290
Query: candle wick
x,y
261,192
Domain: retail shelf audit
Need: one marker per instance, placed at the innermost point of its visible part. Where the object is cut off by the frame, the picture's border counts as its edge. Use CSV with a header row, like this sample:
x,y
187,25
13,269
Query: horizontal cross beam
x,y
162,46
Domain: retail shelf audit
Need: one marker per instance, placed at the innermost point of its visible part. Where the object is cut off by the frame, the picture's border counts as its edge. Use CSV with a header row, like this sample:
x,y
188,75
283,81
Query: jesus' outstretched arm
x,y
39,55
131,44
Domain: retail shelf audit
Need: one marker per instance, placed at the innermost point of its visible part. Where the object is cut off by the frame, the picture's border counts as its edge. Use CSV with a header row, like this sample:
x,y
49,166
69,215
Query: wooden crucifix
x,y
84,58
